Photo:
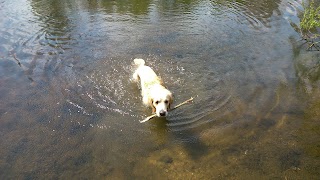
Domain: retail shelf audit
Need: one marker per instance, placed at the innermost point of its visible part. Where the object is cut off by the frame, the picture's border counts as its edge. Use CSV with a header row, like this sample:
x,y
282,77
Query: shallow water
x,y
69,109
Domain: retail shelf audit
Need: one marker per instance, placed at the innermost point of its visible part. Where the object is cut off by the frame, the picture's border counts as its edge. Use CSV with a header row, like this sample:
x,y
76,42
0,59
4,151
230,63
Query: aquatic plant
x,y
311,18
309,24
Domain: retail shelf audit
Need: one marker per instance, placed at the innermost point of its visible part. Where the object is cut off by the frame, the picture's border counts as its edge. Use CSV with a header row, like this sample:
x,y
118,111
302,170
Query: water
x,y
69,109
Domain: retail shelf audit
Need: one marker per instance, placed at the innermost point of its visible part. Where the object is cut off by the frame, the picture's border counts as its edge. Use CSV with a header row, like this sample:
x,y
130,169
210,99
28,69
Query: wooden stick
x,y
154,115
15,58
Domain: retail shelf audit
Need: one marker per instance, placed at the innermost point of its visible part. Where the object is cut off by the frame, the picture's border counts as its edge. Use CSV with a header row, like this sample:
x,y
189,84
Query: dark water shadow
x,y
192,144
160,129
189,140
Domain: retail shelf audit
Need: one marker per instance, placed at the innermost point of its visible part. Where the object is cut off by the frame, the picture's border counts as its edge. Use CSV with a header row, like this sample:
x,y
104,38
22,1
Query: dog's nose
x,y
162,113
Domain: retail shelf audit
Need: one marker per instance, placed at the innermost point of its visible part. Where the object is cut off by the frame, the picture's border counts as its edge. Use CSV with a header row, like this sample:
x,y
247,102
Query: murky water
x,y
69,110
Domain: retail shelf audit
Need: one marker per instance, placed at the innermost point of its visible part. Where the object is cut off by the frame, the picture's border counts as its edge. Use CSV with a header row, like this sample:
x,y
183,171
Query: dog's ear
x,y
170,101
152,106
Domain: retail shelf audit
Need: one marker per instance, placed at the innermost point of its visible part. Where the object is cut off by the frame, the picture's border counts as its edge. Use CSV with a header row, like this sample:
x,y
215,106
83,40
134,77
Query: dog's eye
x,y
166,101
157,102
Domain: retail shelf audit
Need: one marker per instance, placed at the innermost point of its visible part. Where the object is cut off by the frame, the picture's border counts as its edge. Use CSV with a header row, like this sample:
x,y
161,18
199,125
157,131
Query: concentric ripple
x,y
212,98
106,89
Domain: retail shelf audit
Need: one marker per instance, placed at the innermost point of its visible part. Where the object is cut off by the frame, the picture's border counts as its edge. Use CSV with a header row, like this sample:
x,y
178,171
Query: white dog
x,y
152,89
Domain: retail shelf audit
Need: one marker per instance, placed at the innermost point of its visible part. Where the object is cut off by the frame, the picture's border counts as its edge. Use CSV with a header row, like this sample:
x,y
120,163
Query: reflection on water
x,y
69,108
255,13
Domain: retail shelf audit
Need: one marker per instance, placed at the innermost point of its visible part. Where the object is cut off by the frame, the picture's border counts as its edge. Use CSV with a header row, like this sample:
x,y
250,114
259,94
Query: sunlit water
x,y
70,110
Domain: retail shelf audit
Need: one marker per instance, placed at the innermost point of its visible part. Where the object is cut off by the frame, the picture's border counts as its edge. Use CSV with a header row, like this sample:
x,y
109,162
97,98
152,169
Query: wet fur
x,y
153,91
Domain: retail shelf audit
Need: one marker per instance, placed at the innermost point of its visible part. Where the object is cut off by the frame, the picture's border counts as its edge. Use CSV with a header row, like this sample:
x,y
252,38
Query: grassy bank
x,y
309,25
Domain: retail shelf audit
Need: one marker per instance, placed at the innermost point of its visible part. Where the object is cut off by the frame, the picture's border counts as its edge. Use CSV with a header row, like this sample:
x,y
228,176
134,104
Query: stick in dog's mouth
x,y
154,115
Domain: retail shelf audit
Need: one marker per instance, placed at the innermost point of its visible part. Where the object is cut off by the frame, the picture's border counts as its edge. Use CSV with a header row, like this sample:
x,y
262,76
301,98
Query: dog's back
x,y
146,75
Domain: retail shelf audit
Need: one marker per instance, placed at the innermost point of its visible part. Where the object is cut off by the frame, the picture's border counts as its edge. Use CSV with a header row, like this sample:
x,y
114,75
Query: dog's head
x,y
161,101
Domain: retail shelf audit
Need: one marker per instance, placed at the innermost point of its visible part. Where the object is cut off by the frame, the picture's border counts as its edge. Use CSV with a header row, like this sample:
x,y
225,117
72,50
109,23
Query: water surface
x,y
69,109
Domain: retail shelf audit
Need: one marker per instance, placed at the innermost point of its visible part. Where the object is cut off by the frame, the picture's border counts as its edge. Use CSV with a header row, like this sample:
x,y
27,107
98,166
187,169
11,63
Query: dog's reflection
x,y
159,129
164,134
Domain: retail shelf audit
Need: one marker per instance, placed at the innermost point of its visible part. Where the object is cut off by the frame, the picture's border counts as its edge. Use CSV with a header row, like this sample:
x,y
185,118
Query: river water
x,y
68,107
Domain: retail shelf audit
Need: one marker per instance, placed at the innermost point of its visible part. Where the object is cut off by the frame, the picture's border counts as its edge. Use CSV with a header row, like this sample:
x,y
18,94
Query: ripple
x,y
253,13
102,87
105,89
212,98
205,116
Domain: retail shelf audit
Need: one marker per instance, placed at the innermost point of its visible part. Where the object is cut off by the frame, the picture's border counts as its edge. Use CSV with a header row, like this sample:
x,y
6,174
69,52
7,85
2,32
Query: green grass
x,y
311,18
309,24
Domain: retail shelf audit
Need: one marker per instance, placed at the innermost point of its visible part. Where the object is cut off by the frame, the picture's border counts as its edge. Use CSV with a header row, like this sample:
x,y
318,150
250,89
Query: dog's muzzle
x,y
162,113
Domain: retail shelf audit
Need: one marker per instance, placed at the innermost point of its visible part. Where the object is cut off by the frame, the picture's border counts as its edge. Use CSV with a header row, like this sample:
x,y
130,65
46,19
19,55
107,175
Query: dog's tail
x,y
139,62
